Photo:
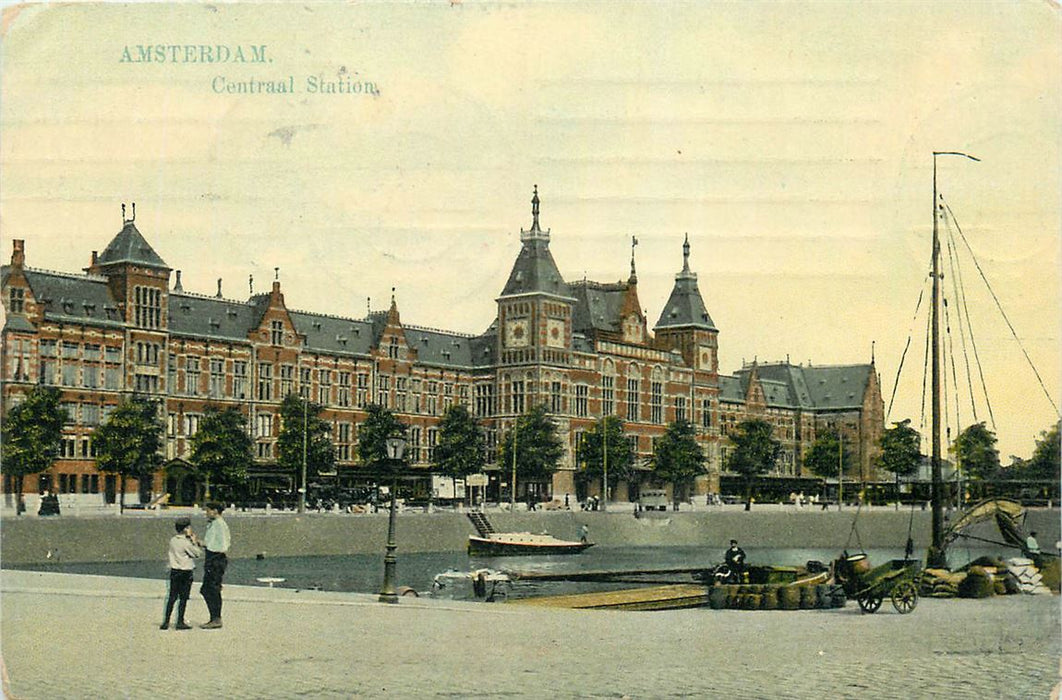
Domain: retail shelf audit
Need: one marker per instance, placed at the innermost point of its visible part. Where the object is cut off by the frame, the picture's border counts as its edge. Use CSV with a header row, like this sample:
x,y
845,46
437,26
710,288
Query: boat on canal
x,y
488,543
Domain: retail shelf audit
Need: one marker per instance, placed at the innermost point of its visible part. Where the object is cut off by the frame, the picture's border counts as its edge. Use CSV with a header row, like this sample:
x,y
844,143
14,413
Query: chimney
x,y
18,252
219,288
177,287
93,259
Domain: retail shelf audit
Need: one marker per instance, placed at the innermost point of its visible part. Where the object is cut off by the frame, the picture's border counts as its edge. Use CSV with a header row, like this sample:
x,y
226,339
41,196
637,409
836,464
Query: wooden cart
x,y
896,579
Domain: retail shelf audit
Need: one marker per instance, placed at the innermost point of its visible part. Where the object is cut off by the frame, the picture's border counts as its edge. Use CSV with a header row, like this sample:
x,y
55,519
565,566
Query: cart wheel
x,y
869,603
905,597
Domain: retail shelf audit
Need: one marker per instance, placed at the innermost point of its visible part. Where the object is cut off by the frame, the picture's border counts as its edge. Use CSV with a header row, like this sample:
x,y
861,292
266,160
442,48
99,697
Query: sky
x,y
792,142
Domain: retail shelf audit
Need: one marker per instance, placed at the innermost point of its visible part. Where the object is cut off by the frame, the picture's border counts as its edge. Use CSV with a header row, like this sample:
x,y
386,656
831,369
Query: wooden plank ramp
x,y
671,597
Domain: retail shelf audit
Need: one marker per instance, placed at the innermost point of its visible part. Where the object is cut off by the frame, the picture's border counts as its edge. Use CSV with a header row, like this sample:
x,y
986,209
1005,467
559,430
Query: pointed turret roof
x,y
685,307
534,269
129,246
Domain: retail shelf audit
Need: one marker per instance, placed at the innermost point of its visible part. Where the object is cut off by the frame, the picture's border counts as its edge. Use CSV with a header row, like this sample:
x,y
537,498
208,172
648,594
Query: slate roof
x,y
685,307
332,334
597,306
824,388
208,317
18,323
535,271
129,246
76,298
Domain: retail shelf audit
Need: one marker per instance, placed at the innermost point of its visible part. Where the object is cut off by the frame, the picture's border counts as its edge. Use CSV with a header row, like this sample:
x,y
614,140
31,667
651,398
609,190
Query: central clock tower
x,y
535,308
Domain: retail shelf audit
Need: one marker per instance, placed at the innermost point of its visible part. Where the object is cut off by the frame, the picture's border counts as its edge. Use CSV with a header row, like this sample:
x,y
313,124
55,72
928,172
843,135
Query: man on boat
x,y
735,559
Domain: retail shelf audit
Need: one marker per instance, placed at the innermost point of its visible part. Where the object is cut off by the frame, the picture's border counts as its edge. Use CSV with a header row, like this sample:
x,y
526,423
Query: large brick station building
x,y
584,349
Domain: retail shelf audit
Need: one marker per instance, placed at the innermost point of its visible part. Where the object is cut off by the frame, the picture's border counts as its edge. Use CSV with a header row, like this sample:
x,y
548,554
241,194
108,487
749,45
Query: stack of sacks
x,y
941,583
1028,576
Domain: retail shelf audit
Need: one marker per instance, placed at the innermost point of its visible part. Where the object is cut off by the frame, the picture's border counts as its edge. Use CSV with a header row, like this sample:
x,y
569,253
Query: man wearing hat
x,y
183,553
735,559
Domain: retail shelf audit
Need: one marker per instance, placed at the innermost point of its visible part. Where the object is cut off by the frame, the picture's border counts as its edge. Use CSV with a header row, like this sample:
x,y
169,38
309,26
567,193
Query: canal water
x,y
363,573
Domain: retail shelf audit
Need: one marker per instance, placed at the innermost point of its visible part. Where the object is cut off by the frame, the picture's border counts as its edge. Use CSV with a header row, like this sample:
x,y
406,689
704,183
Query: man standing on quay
x,y
216,541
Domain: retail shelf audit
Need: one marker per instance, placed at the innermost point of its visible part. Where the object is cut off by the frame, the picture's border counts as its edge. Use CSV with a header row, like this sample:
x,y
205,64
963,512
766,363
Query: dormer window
x,y
17,298
392,348
276,332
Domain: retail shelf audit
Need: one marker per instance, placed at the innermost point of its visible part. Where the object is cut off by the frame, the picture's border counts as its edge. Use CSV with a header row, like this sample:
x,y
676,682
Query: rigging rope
x,y
954,376
948,218
903,356
1003,313
964,309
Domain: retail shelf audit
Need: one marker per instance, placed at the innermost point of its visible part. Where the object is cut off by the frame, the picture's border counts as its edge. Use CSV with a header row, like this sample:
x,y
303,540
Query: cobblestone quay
x,y
68,636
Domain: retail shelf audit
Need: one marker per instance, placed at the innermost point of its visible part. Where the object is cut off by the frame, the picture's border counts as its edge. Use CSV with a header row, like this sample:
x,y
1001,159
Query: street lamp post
x,y
604,462
305,420
396,446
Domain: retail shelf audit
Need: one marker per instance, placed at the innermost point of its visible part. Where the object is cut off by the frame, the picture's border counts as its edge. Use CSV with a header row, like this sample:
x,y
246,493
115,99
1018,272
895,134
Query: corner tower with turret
x,y
685,325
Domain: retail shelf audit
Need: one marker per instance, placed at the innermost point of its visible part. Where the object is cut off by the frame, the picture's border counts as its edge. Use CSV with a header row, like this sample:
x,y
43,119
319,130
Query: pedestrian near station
x,y
216,541
183,551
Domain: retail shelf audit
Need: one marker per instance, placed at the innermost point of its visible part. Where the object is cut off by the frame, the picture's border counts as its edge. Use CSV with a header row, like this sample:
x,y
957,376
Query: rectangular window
x,y
264,450
518,397
484,405
191,424
363,389
147,307
69,413
112,354
276,332
414,445
305,380
263,425
69,374
265,381
582,393
90,414
680,408
48,368
217,378
706,413
70,351
239,379
656,402
191,377
48,348
433,440
324,387
608,395
343,398
343,435
632,399
112,378
18,297
92,353
171,424
287,380
555,401
90,376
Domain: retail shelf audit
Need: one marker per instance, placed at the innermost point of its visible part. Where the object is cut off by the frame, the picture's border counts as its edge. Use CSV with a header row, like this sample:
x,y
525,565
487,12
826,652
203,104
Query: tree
x,y
755,452
677,457
538,448
31,436
591,453
221,448
901,452
1044,463
129,442
826,457
975,450
303,434
460,448
379,424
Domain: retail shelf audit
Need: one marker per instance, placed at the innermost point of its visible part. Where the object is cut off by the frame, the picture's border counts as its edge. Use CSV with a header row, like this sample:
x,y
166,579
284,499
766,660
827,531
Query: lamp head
x,y
396,447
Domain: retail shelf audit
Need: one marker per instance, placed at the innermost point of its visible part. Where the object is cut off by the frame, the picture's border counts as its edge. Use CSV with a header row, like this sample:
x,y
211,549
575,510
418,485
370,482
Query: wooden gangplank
x,y
600,575
671,597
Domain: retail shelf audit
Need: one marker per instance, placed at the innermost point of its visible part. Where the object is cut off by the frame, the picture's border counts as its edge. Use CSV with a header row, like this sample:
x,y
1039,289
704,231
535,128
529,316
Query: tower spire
x,y
634,276
534,211
686,254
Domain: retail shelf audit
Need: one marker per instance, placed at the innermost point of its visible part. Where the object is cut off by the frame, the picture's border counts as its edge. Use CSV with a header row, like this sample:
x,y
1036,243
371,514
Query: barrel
x,y
770,598
822,593
717,598
838,597
808,598
753,601
858,564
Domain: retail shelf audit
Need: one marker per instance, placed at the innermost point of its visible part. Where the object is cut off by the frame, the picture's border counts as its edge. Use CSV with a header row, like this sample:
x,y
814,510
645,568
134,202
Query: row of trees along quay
x,y
129,445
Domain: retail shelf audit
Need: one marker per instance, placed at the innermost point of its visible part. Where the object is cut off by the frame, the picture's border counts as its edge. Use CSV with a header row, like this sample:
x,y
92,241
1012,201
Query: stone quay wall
x,y
141,537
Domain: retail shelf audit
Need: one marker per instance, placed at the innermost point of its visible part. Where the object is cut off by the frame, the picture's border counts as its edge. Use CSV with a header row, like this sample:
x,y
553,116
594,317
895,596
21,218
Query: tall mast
x,y
936,557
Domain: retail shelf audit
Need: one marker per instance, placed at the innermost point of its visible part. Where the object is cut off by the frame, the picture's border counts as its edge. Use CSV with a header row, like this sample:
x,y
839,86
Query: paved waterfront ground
x,y
66,636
